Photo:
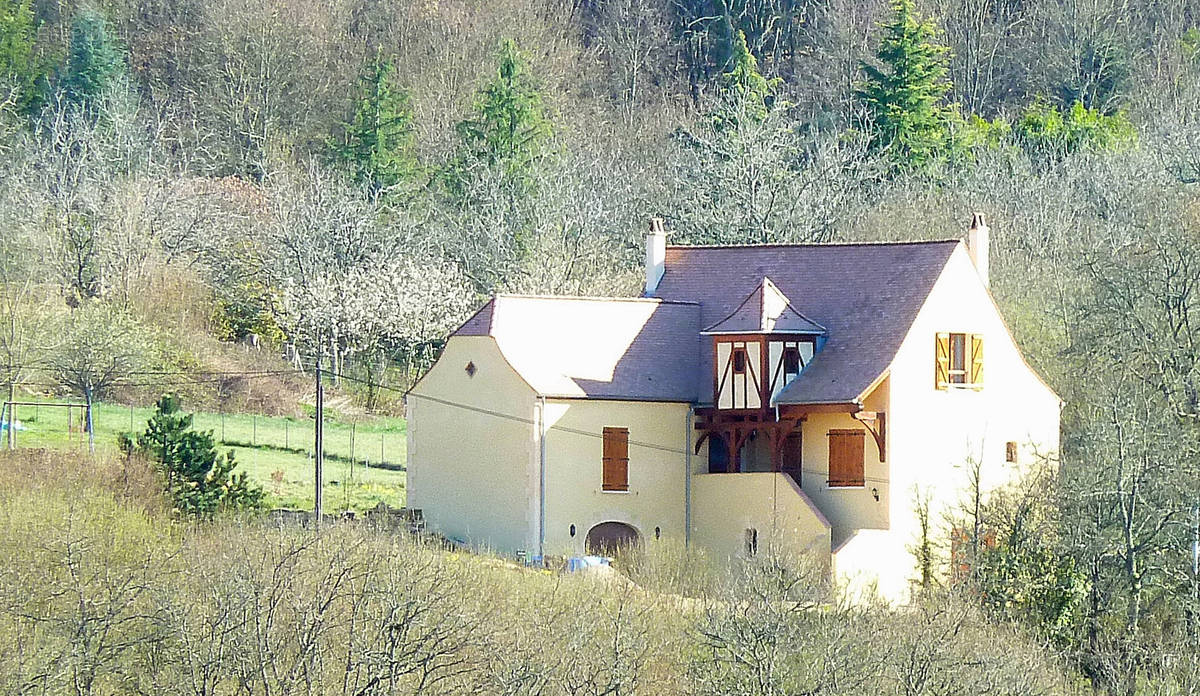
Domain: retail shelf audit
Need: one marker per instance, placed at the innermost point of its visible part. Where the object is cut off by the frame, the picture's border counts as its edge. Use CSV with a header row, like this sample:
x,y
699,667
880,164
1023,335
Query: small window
x,y
846,458
958,360
1010,452
739,361
751,542
616,459
791,361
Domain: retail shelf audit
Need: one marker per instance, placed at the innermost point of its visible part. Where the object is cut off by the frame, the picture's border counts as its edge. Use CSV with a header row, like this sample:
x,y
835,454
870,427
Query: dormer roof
x,y
766,310
866,295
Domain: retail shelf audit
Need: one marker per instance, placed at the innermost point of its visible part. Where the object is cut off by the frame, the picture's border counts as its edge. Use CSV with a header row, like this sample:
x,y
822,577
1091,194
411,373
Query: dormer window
x,y
739,361
791,361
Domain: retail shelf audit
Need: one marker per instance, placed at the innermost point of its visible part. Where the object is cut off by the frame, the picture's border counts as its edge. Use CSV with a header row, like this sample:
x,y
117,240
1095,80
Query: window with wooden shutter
x,y
976,376
846,458
942,361
616,459
958,361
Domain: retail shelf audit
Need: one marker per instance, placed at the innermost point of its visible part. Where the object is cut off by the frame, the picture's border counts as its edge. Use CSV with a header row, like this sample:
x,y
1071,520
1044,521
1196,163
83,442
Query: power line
x,y
598,436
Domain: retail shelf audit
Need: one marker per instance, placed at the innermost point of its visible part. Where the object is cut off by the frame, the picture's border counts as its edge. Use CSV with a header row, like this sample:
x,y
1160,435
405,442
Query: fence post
x,y
352,426
222,427
254,431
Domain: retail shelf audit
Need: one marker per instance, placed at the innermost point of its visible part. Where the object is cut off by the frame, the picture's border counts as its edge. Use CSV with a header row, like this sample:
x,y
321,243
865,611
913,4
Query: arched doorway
x,y
606,538
718,454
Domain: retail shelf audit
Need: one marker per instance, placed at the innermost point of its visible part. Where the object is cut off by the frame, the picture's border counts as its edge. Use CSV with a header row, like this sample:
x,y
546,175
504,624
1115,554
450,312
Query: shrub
x,y
199,480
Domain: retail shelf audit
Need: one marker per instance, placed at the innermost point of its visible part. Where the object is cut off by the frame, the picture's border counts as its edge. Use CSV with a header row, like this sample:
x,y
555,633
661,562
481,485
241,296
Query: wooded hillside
x,y
355,175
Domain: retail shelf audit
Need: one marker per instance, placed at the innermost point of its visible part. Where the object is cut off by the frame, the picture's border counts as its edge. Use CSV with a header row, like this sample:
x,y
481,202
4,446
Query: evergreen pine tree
x,y
509,128
94,61
745,93
903,96
199,480
18,66
378,144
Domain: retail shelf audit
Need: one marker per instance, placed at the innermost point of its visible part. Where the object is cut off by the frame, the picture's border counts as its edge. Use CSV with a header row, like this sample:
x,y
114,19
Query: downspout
x,y
542,481
687,476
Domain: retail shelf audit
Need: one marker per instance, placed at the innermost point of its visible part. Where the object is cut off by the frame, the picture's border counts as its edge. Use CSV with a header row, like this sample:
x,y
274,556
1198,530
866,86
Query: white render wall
x,y
659,435
932,434
724,506
473,452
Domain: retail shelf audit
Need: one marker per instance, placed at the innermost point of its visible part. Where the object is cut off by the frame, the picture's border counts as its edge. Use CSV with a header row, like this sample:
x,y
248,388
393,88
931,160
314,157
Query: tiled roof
x,y
630,349
866,295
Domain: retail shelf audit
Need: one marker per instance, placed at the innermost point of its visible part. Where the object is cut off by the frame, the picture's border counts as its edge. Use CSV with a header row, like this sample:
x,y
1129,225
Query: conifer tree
x,y
745,93
903,95
94,61
378,143
509,127
199,480
18,66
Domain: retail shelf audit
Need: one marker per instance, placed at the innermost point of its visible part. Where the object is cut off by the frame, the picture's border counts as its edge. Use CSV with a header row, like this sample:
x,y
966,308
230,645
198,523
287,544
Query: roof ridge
x,y
908,242
591,298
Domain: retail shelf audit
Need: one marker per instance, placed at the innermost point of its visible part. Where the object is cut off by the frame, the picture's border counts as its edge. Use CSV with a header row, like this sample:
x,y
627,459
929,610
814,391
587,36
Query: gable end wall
x,y
932,434
473,457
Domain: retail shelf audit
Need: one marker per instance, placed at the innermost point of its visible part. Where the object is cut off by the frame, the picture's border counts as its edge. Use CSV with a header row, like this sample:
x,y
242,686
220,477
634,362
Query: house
x,y
807,395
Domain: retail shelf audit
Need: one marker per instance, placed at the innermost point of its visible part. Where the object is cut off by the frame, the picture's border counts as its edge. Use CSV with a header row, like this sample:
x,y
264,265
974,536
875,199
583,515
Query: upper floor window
x,y
791,361
739,361
616,459
846,458
958,360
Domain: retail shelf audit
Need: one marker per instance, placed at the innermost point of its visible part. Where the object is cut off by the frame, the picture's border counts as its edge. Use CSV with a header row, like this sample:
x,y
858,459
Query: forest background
x,y
350,178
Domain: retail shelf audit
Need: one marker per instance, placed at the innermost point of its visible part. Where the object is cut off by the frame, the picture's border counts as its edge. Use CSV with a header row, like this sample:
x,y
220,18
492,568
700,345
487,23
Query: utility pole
x,y
318,444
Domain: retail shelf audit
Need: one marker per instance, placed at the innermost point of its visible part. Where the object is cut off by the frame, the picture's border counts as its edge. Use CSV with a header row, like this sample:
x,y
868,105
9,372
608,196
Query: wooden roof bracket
x,y
877,426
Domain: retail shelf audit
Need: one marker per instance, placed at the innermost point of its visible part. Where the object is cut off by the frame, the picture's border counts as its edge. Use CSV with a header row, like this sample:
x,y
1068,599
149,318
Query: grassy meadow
x,y
364,460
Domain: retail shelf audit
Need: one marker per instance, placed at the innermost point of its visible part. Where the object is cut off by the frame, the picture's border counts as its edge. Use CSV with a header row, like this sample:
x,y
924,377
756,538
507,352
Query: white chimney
x,y
977,245
656,255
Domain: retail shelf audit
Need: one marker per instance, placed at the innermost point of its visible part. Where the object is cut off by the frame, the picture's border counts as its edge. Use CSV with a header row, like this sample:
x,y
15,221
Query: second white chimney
x,y
656,255
977,245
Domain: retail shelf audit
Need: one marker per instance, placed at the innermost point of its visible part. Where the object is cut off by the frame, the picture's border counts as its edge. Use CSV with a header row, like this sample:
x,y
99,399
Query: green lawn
x,y
275,452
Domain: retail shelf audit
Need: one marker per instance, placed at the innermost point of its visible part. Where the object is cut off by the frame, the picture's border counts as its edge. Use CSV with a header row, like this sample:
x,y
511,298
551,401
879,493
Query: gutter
x,y
542,480
689,424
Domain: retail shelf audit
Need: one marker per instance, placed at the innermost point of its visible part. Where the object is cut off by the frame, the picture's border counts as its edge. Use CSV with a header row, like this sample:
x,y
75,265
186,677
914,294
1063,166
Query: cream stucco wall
x,y
724,506
933,435
473,454
658,438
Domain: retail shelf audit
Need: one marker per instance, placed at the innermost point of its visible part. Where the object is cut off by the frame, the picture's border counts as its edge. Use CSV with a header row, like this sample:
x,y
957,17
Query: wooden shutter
x,y
976,367
616,459
941,372
846,457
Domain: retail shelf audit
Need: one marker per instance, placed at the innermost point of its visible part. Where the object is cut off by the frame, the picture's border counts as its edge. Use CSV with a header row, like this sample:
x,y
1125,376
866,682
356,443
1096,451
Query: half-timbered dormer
x,y
759,348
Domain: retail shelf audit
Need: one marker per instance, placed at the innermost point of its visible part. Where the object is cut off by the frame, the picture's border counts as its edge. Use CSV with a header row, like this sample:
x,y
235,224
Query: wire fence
x,y
363,443
373,443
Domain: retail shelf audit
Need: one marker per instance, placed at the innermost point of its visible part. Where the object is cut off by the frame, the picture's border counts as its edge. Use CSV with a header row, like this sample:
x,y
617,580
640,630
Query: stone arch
x,y
606,538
